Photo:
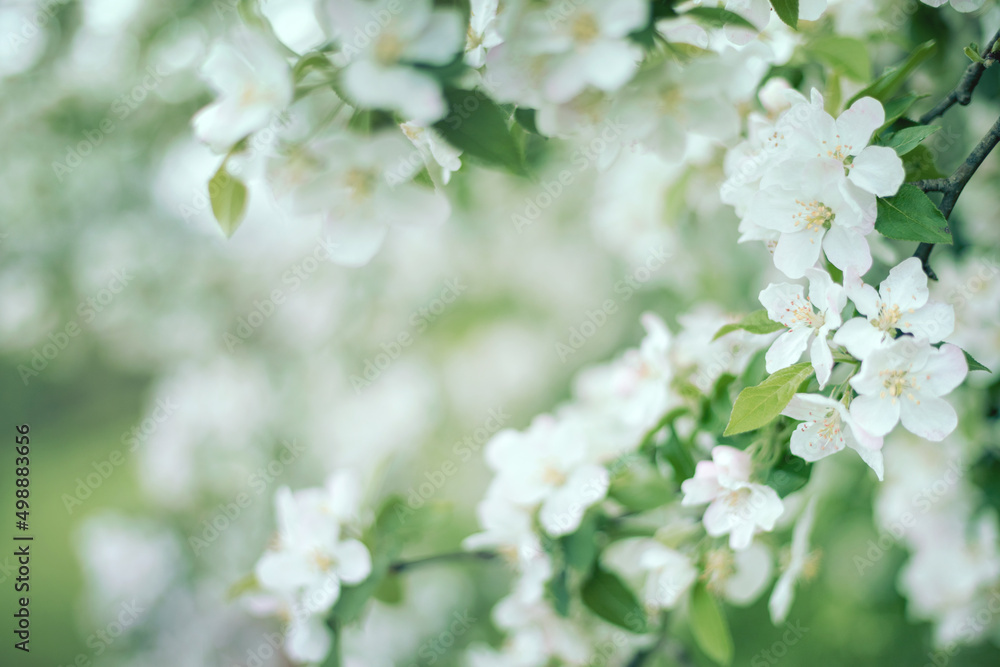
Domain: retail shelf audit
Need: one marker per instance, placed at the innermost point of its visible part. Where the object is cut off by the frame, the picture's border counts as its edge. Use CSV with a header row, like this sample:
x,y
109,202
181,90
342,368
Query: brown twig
x,y
962,94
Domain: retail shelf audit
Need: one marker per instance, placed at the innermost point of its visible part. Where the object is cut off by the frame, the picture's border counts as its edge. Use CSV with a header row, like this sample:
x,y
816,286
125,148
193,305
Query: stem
x,y
953,185
962,94
400,566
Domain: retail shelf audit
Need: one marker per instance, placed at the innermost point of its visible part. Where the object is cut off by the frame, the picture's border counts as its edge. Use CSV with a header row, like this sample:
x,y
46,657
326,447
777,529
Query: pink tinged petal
x,y
787,349
847,249
935,322
945,369
928,417
809,444
859,337
721,518
354,563
767,506
878,170
822,360
703,487
875,415
856,125
731,465
862,438
798,251
906,285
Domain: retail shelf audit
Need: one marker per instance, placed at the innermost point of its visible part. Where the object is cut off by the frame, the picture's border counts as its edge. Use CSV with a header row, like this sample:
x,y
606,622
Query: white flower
x,y
362,187
958,5
482,34
662,574
738,507
844,141
827,427
569,47
550,466
739,576
814,209
311,558
434,149
904,381
506,527
758,12
901,303
253,83
377,69
801,564
819,314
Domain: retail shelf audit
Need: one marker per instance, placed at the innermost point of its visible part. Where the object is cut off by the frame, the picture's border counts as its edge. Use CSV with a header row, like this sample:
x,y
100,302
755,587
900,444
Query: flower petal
x,y
878,170
931,418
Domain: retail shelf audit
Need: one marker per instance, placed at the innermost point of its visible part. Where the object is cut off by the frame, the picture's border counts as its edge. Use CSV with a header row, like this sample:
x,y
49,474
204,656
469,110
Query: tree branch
x,y
962,94
400,566
953,185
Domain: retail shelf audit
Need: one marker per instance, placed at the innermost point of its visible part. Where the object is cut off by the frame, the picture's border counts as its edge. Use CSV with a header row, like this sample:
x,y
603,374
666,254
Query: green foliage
x,y
717,17
605,595
919,164
710,627
908,138
760,405
787,11
845,55
973,364
789,475
911,216
641,492
580,547
229,200
886,85
897,108
478,126
756,322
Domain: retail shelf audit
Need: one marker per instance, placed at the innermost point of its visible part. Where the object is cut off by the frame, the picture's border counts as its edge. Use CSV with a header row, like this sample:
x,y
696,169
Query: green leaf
x,y
606,595
580,547
789,475
756,322
919,165
911,216
897,108
641,491
787,11
390,590
229,200
710,627
479,127
972,51
717,17
975,365
760,405
883,87
558,590
525,117
905,140
846,54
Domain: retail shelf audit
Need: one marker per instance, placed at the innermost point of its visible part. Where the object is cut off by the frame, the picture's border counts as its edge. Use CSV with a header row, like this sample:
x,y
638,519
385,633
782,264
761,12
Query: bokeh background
x,y
148,423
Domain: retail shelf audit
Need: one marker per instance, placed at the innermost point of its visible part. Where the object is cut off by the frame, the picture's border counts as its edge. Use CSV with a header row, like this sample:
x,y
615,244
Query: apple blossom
x,y
901,303
378,71
254,84
818,315
827,427
482,34
904,381
662,574
737,506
